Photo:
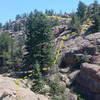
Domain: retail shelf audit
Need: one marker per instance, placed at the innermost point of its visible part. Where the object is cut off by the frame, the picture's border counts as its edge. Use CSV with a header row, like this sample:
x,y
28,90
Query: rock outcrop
x,y
58,30
79,45
90,77
78,49
9,91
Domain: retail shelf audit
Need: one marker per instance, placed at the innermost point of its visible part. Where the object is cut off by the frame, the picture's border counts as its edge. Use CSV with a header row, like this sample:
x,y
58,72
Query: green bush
x,y
56,91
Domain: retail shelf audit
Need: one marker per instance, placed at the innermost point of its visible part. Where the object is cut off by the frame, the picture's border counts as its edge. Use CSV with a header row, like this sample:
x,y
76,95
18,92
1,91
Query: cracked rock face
x,y
79,45
90,77
9,91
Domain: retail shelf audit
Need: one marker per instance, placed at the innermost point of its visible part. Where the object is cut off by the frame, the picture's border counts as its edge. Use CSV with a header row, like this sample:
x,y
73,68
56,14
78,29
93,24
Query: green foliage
x,y
10,53
38,42
18,17
79,61
96,17
0,25
49,12
79,17
39,47
16,57
75,23
86,59
56,92
6,26
17,27
37,78
24,15
94,13
79,93
5,44
81,11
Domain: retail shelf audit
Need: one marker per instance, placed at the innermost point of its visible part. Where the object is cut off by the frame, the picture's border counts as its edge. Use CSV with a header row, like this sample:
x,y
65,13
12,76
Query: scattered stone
x,y
65,70
52,77
71,96
62,84
96,59
65,79
73,75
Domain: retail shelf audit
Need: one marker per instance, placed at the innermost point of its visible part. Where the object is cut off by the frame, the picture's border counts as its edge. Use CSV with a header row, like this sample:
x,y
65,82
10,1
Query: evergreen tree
x,y
37,78
81,11
0,25
96,17
16,57
46,12
17,27
24,15
56,90
38,42
18,17
49,12
60,13
65,13
10,54
75,23
5,46
6,26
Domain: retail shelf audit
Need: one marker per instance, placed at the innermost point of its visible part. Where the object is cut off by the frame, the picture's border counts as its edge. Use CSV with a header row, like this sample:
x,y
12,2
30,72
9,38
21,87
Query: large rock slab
x,y
79,45
9,91
90,77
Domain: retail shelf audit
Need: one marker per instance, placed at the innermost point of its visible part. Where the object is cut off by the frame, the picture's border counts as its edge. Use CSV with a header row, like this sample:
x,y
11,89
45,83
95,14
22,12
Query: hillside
x,y
51,56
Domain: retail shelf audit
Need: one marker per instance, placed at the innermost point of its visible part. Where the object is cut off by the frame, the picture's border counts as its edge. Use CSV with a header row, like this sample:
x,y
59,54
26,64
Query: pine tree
x,y
38,42
49,12
6,26
5,45
18,17
46,11
0,25
56,90
96,16
75,23
37,78
81,11
17,27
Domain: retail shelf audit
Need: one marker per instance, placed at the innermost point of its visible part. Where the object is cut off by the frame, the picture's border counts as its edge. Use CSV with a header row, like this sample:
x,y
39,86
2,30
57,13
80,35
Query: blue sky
x,y
10,8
